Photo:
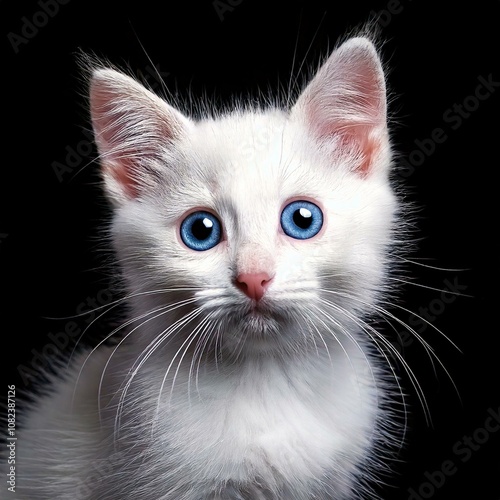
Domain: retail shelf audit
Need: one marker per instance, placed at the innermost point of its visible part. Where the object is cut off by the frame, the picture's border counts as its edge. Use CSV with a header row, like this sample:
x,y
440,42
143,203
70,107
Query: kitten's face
x,y
264,219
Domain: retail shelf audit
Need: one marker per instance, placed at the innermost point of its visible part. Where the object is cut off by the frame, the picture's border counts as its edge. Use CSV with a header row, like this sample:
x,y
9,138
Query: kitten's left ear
x,y
134,130
345,107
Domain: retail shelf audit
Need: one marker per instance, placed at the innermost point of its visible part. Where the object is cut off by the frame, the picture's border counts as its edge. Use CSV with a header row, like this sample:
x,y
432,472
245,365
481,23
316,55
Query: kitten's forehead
x,y
243,160
249,155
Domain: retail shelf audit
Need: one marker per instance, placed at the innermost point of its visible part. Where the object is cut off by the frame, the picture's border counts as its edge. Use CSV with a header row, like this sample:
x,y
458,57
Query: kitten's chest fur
x,y
261,425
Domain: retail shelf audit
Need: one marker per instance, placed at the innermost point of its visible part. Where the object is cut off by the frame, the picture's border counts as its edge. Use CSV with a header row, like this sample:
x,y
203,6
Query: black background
x,y
51,252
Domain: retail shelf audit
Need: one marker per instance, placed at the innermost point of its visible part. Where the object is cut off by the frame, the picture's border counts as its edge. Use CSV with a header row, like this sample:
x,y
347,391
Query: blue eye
x,y
301,220
201,231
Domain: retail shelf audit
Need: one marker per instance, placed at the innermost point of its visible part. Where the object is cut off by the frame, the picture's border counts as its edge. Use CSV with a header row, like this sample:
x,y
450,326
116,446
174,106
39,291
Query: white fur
x,y
291,405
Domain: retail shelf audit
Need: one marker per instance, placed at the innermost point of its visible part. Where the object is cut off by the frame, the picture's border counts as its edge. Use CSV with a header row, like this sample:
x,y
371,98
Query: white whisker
x,y
109,307
206,338
427,287
161,309
146,354
375,336
436,268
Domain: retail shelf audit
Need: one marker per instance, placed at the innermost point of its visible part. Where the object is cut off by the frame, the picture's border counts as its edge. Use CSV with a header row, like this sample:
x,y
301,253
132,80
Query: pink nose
x,y
253,284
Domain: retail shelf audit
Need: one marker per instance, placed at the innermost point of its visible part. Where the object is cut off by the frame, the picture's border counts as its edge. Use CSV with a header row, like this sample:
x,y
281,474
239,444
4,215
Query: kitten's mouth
x,y
256,316
259,320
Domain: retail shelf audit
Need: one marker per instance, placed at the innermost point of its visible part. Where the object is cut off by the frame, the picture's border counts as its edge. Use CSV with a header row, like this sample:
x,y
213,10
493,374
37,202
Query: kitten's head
x,y
252,220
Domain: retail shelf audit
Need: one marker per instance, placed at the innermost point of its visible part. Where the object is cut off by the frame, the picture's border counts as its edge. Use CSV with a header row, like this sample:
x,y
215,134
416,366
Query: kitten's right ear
x,y
133,130
345,107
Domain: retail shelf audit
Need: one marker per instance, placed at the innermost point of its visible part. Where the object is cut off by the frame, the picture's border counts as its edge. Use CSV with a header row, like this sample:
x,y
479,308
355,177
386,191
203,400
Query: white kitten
x,y
254,246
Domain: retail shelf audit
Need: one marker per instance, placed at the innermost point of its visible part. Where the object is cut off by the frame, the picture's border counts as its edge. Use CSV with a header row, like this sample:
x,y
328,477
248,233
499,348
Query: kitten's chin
x,y
260,324
255,331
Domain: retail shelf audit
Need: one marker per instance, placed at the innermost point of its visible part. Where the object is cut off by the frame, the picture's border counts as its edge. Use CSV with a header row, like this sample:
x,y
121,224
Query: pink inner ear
x,y
370,151
131,127
117,157
352,138
357,141
345,104
124,176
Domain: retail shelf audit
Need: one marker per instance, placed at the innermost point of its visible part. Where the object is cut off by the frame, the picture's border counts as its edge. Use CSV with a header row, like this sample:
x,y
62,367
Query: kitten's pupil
x,y
302,218
202,228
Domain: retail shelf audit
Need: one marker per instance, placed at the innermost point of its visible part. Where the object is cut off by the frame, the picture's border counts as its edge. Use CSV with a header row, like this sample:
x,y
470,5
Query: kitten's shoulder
x,y
59,436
